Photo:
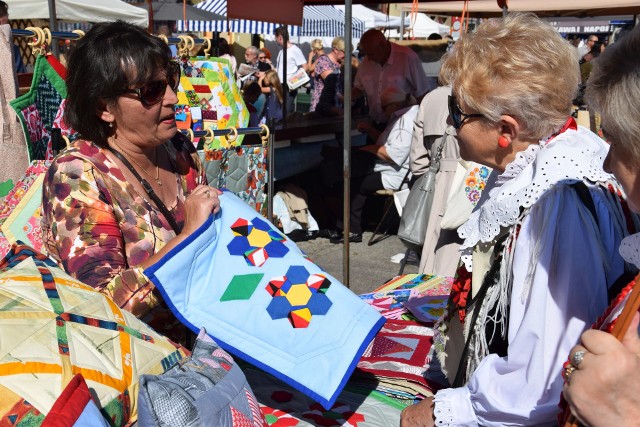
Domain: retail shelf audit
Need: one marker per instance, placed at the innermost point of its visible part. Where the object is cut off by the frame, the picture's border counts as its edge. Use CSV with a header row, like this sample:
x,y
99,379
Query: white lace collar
x,y
630,249
573,155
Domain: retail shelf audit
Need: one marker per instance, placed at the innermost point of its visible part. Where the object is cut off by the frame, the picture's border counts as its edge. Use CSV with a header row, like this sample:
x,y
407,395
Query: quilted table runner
x,y
263,300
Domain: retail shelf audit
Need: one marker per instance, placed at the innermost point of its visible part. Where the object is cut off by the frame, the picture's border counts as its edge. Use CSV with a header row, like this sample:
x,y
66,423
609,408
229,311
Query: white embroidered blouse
x,y
562,267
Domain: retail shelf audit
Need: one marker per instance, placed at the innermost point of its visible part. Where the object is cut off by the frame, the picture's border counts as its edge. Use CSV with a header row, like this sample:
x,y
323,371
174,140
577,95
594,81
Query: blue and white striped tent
x,y
317,21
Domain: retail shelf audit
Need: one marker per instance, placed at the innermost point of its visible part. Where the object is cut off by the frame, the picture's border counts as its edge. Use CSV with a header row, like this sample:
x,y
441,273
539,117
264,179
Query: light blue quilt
x,y
263,300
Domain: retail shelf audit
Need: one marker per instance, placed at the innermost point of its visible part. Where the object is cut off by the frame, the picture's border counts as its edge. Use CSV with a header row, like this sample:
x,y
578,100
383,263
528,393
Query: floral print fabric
x,y
99,227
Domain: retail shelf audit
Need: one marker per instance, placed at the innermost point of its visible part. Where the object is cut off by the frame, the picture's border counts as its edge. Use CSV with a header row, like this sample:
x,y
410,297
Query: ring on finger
x,y
578,357
567,370
207,192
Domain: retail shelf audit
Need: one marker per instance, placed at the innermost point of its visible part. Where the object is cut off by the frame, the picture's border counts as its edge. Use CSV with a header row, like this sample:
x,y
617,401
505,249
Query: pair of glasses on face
x,y
262,58
457,116
153,92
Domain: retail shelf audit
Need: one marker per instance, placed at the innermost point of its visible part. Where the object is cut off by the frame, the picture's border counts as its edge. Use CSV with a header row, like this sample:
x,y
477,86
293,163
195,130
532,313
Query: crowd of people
x,y
539,253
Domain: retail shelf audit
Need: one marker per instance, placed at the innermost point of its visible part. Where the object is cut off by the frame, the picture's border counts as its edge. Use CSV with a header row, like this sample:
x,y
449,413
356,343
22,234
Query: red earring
x,y
503,142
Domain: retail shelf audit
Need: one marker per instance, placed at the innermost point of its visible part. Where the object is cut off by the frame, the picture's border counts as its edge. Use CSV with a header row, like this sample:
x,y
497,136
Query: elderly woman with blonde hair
x,y
536,264
326,78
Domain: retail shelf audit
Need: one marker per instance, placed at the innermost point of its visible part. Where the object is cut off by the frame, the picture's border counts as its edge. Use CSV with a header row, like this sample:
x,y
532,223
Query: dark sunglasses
x,y
262,57
457,116
153,92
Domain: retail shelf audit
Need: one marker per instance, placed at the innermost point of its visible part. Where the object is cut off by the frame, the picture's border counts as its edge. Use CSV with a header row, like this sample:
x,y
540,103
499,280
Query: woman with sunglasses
x,y
539,250
131,188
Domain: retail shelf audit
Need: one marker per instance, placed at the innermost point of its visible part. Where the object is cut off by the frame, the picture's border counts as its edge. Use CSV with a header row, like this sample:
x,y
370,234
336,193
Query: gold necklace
x,y
155,178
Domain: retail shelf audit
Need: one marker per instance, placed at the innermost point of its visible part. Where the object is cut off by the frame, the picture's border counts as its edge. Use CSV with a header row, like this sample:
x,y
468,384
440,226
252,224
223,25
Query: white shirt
x,y
403,70
562,268
396,138
295,59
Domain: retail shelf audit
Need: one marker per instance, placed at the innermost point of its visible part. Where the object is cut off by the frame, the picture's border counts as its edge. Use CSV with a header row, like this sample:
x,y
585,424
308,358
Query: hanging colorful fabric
x,y
21,211
241,170
208,98
264,301
42,108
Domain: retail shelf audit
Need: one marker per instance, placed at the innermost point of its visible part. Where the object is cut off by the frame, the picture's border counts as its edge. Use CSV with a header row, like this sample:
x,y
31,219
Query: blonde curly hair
x,y
517,65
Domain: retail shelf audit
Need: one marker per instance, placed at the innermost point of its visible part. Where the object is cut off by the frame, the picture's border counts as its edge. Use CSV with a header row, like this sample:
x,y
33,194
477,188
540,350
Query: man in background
x,y
586,47
387,64
295,60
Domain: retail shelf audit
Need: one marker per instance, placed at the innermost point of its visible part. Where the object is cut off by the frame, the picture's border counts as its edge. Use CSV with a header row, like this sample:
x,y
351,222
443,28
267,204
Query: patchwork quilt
x,y
208,97
263,300
53,327
42,108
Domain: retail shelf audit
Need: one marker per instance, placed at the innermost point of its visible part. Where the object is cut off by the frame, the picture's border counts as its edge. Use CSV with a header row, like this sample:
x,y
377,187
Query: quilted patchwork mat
x,y
263,300
283,406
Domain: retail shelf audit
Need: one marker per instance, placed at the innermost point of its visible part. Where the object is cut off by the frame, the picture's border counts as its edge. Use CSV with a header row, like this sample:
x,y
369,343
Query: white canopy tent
x,y
373,18
79,11
422,27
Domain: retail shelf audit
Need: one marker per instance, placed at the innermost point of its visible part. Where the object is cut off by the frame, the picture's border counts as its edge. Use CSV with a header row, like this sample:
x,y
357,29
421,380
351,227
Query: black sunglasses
x,y
457,116
262,57
153,92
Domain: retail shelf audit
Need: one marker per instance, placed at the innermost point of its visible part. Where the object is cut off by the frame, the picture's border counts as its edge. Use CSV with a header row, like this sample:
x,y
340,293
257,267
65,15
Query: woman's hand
x,y
604,390
202,202
418,415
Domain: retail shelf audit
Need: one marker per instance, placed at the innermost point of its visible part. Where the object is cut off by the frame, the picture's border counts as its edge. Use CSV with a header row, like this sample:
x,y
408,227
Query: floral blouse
x,y
323,64
100,228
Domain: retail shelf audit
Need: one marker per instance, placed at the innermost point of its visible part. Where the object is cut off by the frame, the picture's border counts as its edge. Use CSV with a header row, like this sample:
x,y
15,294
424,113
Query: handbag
x,y
415,215
297,79
206,389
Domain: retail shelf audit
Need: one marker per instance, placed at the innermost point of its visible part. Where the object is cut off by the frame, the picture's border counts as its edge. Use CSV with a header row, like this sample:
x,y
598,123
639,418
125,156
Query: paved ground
x,y
370,266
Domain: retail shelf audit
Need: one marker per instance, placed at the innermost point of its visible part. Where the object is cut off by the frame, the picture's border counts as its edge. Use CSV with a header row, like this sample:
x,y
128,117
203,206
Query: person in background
x,y
224,52
440,250
316,52
382,165
254,57
386,64
18,64
604,388
264,56
99,221
587,65
272,88
326,78
585,48
164,30
537,258
295,60
255,102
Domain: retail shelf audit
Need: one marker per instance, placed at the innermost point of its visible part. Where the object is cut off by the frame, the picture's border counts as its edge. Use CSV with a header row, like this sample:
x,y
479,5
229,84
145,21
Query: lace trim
x,y
630,249
442,410
572,156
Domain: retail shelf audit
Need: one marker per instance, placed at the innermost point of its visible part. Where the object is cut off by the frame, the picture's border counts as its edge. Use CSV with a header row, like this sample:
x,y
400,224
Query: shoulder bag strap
x,y
152,194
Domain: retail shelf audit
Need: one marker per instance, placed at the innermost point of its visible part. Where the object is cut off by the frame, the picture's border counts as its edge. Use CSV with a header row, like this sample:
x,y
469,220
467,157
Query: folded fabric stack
x,y
398,361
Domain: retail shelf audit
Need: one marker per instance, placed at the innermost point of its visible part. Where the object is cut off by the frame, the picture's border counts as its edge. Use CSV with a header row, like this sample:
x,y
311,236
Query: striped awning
x,y
327,21
235,25
318,21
